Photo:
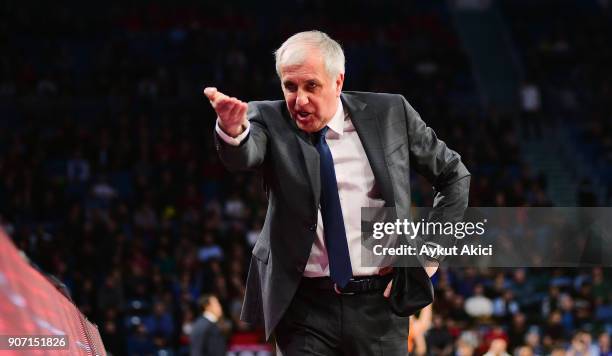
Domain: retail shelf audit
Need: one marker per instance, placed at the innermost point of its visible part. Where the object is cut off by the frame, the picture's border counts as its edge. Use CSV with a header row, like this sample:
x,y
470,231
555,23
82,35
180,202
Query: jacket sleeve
x,y
251,152
443,168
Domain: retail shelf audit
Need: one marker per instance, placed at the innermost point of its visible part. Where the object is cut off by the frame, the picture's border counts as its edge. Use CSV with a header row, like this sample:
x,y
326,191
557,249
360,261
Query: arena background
x,y
109,180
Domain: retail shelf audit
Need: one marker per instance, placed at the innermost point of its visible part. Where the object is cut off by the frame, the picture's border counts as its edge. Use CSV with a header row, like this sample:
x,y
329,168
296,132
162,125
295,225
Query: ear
x,y
339,83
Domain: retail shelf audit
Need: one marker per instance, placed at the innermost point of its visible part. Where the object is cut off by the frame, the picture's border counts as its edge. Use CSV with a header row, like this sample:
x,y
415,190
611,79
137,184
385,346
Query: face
x,y
310,93
215,307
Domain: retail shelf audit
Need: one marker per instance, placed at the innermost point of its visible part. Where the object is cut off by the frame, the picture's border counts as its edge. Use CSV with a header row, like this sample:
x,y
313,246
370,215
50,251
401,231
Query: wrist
x,y
233,131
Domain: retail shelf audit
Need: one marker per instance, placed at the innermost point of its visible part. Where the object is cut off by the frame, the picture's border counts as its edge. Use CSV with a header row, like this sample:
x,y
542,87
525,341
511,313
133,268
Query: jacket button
x,y
310,226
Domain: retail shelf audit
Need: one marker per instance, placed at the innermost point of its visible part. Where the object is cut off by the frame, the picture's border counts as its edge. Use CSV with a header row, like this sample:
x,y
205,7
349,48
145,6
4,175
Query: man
x,y
206,337
324,154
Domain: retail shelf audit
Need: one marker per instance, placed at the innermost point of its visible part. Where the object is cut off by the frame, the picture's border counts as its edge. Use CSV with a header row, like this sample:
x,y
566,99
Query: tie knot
x,y
320,135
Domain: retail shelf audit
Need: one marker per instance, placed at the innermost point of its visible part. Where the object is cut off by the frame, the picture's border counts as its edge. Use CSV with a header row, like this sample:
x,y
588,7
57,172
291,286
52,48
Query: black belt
x,y
354,286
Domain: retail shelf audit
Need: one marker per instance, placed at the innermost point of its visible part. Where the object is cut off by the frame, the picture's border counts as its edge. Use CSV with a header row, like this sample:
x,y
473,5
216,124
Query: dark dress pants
x,y
323,323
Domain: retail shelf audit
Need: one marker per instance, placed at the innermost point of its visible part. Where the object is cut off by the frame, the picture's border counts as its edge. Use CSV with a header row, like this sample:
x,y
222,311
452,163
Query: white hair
x,y
295,49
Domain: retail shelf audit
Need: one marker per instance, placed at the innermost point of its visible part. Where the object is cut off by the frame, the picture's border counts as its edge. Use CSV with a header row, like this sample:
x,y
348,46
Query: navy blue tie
x,y
331,211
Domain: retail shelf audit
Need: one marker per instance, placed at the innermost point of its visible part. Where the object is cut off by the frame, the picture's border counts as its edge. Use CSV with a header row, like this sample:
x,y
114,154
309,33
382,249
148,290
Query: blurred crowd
x,y
521,312
109,180
564,52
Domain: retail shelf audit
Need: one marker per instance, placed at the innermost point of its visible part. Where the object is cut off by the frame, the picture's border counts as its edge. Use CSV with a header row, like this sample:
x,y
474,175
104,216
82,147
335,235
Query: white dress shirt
x,y
210,316
355,186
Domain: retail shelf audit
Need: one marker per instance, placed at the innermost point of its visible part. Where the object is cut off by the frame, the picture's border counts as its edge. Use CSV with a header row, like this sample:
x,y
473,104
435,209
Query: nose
x,y
302,98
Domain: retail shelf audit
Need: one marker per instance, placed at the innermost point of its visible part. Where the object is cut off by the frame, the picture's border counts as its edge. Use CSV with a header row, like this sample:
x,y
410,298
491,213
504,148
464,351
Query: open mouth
x,y
303,115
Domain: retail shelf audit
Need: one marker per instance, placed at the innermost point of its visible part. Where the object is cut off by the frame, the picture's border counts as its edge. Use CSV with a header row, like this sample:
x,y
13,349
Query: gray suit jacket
x,y
206,339
394,138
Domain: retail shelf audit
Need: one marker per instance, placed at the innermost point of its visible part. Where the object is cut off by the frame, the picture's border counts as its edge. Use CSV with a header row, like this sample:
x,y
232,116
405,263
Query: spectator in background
x,y
103,192
113,334
517,330
553,331
522,287
478,305
524,351
530,97
582,345
531,106
493,333
584,304
505,306
439,339
145,217
568,317
140,343
602,290
161,323
498,348
206,336
112,293
458,308
550,301
532,339
78,168
603,343
558,351
209,249
234,207
186,327
466,343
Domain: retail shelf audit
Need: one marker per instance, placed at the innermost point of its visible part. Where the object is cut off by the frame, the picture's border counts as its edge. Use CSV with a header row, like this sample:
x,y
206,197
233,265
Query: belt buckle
x,y
340,292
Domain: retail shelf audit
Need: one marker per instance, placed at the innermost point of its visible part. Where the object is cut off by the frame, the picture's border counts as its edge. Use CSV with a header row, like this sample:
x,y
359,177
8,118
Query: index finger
x,y
210,93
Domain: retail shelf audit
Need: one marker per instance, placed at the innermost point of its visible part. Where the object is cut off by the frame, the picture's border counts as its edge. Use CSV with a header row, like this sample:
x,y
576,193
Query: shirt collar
x,y
336,124
210,316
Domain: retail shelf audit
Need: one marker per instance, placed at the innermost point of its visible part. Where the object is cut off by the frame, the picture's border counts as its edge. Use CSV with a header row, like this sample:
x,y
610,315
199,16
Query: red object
x,y
240,339
31,306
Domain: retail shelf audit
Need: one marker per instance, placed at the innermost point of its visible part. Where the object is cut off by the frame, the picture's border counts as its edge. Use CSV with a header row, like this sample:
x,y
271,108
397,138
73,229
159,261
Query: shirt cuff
x,y
234,141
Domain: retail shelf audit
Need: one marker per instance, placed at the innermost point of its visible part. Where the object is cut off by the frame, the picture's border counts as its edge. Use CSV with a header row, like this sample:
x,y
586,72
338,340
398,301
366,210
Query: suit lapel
x,y
368,128
310,156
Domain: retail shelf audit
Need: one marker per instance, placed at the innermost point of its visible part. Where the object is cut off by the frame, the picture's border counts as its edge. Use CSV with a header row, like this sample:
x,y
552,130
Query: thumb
x,y
387,292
